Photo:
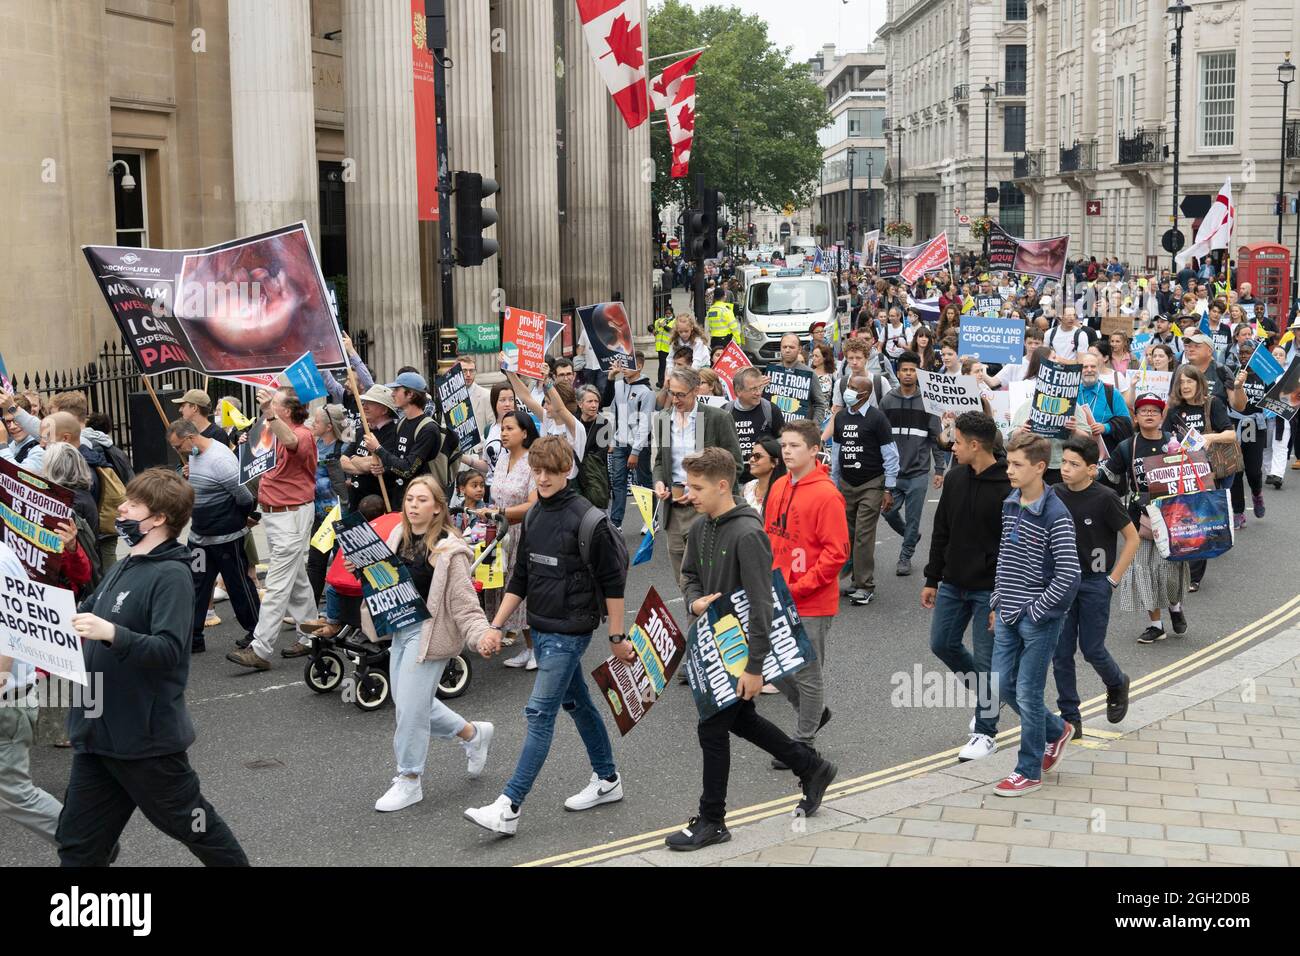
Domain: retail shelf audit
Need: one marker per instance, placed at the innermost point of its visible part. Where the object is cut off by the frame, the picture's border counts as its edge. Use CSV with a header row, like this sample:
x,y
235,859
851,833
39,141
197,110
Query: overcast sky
x,y
806,24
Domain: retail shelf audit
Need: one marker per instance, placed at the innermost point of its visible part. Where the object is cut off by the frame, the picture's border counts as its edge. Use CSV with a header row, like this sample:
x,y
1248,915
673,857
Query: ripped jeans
x,y
560,681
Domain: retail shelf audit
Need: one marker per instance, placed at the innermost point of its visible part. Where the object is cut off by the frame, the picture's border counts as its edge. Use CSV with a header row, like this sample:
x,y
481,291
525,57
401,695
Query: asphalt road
x,y
296,774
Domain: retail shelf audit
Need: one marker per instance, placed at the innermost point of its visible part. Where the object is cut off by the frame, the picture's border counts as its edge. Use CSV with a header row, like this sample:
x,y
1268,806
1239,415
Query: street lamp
x,y
848,229
870,157
735,151
1285,74
898,173
988,92
1178,10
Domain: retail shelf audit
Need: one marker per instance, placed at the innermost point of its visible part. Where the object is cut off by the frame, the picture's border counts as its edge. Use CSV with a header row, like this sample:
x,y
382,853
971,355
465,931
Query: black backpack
x,y
1121,426
591,520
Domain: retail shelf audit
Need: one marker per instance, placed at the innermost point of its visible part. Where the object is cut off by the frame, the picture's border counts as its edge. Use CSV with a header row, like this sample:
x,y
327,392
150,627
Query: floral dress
x,y
510,487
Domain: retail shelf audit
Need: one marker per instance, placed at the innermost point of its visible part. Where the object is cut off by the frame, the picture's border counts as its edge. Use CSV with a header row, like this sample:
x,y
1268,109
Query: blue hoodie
x,y
1104,409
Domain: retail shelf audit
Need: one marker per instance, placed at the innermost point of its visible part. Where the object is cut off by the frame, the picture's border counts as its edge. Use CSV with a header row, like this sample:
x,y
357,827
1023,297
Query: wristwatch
x,y
617,638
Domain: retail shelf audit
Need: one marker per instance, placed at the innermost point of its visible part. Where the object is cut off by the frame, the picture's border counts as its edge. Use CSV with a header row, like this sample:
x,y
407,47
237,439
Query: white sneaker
x,y
595,793
403,793
211,619
496,816
219,595
979,746
522,658
477,749
532,661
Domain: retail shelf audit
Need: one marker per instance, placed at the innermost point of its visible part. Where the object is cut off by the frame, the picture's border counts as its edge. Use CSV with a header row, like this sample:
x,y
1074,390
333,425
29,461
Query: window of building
x,y
1011,208
130,209
1017,10
1216,100
1121,105
1013,70
1013,129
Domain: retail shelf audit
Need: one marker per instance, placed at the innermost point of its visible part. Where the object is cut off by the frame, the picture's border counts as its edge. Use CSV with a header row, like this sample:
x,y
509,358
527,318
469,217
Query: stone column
x,y
272,113
585,234
529,230
469,123
629,212
383,236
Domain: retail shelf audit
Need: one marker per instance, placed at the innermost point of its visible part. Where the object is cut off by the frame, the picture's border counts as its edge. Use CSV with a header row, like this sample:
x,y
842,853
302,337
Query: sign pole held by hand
x,y
365,427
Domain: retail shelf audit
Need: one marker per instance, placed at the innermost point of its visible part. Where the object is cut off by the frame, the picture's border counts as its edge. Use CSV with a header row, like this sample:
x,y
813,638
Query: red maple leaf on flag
x,y
686,118
625,43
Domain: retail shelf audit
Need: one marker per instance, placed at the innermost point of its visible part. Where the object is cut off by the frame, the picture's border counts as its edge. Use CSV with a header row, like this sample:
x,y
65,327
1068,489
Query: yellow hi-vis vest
x,y
663,329
721,320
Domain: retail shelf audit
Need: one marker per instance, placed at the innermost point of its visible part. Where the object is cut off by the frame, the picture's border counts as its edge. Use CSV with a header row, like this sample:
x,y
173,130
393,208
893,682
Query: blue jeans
x,y
618,479
420,714
954,608
1084,628
1021,653
560,682
909,495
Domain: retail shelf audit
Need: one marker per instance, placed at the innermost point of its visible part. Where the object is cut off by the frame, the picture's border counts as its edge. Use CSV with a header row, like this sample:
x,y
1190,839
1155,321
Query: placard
x,y
257,454
790,389
949,393
1180,473
632,689
523,343
391,597
991,339
1044,258
360,542
731,361
609,333
1055,396
453,392
1149,380
988,306
36,621
31,508
1283,396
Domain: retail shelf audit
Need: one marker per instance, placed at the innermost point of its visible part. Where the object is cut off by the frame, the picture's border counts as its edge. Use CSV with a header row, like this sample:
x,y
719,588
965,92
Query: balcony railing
x,y
1146,147
1079,158
1011,88
1028,165
1293,139
961,93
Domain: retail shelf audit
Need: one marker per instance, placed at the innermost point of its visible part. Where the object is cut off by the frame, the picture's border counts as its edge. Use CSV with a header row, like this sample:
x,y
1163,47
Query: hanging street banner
x,y
257,454
36,624
631,689
241,310
610,334
1057,392
523,343
942,393
453,391
31,508
717,649
1044,258
790,389
991,339
426,116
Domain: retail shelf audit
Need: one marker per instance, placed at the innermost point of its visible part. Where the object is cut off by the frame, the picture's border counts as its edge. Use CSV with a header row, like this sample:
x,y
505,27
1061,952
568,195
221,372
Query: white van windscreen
x,y
789,298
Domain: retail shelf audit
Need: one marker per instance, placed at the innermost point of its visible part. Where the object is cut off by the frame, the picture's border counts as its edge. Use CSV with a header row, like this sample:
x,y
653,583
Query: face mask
x,y
850,397
128,529
194,451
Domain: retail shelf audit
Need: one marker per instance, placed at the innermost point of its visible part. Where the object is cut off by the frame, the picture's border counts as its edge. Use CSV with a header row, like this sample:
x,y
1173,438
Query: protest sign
x,y
988,305
231,417
631,689
323,539
1057,393
1116,322
870,247
717,649
305,378
1180,473
453,392
1265,366
524,341
1000,403
31,508
36,627
1283,396
894,259
257,454
790,390
238,310
991,339
949,393
1149,380
609,332
360,542
391,596
1138,347
1044,258
731,361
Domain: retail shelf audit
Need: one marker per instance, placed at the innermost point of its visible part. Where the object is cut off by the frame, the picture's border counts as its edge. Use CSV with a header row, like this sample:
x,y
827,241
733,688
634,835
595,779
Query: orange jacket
x,y
810,539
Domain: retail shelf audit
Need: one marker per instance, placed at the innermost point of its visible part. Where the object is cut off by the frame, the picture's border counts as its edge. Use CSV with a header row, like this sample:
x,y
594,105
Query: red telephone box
x,y
1267,267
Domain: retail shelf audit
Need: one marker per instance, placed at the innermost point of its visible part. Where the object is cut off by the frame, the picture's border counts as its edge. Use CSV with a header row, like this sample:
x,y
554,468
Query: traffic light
x,y
471,218
714,228
696,234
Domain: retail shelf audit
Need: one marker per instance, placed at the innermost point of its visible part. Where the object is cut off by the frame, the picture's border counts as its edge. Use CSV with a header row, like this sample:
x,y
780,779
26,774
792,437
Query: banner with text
x,y
453,391
731,361
1283,396
257,454
949,393
790,390
37,623
390,595
631,689
523,342
31,508
991,339
1057,392
610,333
1030,257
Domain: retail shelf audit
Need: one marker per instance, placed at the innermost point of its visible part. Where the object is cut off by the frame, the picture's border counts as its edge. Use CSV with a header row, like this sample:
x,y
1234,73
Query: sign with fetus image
x,y
239,310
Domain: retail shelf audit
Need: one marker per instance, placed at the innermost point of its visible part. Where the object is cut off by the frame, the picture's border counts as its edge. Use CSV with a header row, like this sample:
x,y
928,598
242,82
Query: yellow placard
x,y
645,504
231,417
323,539
492,572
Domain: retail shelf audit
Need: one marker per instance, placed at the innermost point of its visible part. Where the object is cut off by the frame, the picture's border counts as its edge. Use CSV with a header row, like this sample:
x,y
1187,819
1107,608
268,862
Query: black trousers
x,y
1252,453
104,792
231,562
743,720
318,563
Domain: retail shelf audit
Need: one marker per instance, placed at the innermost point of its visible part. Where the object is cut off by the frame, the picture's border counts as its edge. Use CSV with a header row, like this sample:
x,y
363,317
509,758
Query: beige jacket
x,y
455,618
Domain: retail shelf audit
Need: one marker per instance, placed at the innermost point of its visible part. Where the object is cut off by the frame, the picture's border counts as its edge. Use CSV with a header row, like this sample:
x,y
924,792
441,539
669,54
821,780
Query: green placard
x,y
478,338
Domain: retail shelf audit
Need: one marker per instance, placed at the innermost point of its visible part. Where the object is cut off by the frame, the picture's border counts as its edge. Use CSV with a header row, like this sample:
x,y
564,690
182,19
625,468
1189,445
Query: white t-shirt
x,y
577,439
1065,344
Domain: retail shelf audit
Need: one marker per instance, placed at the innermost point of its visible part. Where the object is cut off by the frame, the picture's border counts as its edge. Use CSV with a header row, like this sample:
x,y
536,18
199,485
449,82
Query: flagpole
x,y
669,56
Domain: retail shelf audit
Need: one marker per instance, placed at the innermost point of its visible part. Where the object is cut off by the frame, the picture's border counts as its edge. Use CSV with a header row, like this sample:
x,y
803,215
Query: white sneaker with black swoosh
x,y
595,793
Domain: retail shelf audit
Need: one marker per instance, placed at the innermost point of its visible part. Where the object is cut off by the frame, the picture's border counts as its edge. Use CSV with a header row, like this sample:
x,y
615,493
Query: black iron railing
x,y
961,92
1081,157
1011,88
1144,147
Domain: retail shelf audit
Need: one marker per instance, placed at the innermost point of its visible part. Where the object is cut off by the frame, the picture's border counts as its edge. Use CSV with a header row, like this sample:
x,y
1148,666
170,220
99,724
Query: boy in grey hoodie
x,y
727,550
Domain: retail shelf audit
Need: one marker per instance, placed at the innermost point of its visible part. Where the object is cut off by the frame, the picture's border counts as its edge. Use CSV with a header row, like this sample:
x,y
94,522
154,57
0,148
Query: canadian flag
x,y
664,87
617,43
681,126
1216,228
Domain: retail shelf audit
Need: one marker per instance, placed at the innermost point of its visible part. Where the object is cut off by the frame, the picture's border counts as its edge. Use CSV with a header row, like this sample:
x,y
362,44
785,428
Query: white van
x,y
785,301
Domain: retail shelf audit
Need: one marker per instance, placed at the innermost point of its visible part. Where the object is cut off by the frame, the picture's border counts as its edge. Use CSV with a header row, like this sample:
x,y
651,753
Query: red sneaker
x,y
1055,749
1016,786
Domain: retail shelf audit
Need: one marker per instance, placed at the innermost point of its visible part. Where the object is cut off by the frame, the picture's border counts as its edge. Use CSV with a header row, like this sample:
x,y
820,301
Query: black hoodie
x,y
150,599
724,555
968,528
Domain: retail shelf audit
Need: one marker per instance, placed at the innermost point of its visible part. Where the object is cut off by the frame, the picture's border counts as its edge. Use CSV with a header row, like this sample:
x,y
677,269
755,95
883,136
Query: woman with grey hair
x,y
332,429
593,468
64,465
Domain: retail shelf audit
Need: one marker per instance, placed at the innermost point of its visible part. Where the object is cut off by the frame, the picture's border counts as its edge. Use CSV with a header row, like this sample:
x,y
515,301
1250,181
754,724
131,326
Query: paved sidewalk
x,y
1206,773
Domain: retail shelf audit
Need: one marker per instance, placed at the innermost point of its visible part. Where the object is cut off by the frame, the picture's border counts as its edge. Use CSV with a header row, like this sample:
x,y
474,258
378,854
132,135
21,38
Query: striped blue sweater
x,y
1038,565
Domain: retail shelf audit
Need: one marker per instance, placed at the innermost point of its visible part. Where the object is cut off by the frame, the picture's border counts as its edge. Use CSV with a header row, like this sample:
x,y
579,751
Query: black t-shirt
x,y
416,559
216,433
1193,416
754,424
1254,388
359,486
1099,516
1222,336
860,438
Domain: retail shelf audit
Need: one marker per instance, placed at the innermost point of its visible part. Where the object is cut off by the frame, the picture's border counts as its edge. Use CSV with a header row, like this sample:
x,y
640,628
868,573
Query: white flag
x,y
1216,228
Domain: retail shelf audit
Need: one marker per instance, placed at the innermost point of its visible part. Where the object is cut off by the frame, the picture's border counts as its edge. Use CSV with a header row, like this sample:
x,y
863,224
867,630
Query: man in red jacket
x,y
805,520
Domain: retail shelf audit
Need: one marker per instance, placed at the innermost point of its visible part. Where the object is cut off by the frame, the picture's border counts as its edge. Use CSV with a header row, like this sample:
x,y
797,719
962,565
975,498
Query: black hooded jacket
x,y
968,528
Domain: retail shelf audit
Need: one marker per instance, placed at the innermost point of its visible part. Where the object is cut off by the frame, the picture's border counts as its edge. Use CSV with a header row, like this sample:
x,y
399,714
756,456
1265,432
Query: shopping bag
x,y
1193,527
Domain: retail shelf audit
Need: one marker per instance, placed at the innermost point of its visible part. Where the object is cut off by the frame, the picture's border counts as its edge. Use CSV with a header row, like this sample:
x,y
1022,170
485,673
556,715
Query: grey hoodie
x,y
726,554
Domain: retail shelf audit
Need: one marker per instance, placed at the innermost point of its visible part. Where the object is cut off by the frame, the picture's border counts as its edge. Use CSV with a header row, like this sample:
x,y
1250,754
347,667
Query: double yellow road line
x,y
879,778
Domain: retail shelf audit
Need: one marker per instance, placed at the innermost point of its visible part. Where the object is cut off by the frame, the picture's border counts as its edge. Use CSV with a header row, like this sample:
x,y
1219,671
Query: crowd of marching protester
x,y
1032,536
